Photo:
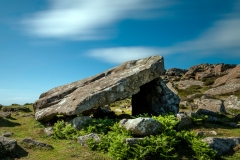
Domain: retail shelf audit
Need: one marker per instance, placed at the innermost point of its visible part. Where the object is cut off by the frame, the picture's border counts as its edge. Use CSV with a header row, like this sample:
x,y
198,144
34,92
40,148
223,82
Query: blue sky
x,y
47,43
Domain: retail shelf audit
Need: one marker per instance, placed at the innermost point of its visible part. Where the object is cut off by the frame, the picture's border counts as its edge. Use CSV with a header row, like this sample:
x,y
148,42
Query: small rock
x,y
82,139
132,141
214,133
102,112
232,102
5,114
184,121
49,131
6,134
31,143
141,126
8,145
223,146
79,122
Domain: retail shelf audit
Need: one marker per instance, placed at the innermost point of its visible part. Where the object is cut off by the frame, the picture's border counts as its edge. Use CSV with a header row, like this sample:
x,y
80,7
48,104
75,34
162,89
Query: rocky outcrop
x,y
232,102
80,122
233,74
223,146
188,83
175,72
141,126
155,98
31,143
83,139
203,71
230,88
115,84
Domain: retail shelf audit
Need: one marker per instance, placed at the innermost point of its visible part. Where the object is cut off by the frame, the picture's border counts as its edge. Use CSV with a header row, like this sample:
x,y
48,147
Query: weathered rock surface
x,y
223,146
188,83
31,143
141,126
83,139
81,121
232,102
6,134
48,131
115,84
7,145
184,121
175,72
155,98
233,74
5,114
229,88
171,86
213,105
203,71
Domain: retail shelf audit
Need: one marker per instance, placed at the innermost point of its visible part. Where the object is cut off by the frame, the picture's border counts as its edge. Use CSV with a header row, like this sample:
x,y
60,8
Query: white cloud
x,y
122,54
222,37
85,19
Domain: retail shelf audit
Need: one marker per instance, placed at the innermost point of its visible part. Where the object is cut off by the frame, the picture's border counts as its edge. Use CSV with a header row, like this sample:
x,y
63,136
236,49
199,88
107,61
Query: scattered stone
x,y
6,134
212,105
141,126
102,112
31,143
49,131
188,83
184,121
185,104
204,133
81,121
223,146
232,102
132,141
83,139
155,98
171,86
83,96
233,74
7,145
5,114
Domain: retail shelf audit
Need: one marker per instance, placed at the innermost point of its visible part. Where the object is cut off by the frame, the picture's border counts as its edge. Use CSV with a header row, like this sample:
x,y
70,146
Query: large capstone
x,y
85,96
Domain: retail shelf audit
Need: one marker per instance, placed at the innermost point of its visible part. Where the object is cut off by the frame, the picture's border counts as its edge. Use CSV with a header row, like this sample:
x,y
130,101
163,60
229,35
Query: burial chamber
x,y
138,78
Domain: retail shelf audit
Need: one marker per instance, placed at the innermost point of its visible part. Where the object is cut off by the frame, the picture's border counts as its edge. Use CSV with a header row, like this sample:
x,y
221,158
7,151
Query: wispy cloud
x,y
122,54
222,37
87,20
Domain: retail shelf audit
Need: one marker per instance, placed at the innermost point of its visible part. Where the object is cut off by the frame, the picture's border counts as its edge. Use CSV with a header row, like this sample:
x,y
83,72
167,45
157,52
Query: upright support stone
x,y
155,98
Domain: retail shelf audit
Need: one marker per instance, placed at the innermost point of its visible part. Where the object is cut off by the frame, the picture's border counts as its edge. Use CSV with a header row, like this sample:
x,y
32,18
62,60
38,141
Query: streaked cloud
x,y
122,54
88,20
222,36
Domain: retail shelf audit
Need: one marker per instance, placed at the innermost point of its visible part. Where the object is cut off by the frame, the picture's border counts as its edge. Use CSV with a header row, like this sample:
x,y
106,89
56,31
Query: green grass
x,y
23,127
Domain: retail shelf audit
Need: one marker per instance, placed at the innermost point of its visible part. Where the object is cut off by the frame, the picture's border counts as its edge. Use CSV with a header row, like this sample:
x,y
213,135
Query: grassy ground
x,y
23,127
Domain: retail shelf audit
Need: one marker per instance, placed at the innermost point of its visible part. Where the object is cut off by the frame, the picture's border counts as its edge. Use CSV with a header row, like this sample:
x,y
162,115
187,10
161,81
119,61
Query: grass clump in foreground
x,y
165,145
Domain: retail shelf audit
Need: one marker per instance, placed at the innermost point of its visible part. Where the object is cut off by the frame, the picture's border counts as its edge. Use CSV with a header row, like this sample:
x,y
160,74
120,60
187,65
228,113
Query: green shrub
x,y
160,146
